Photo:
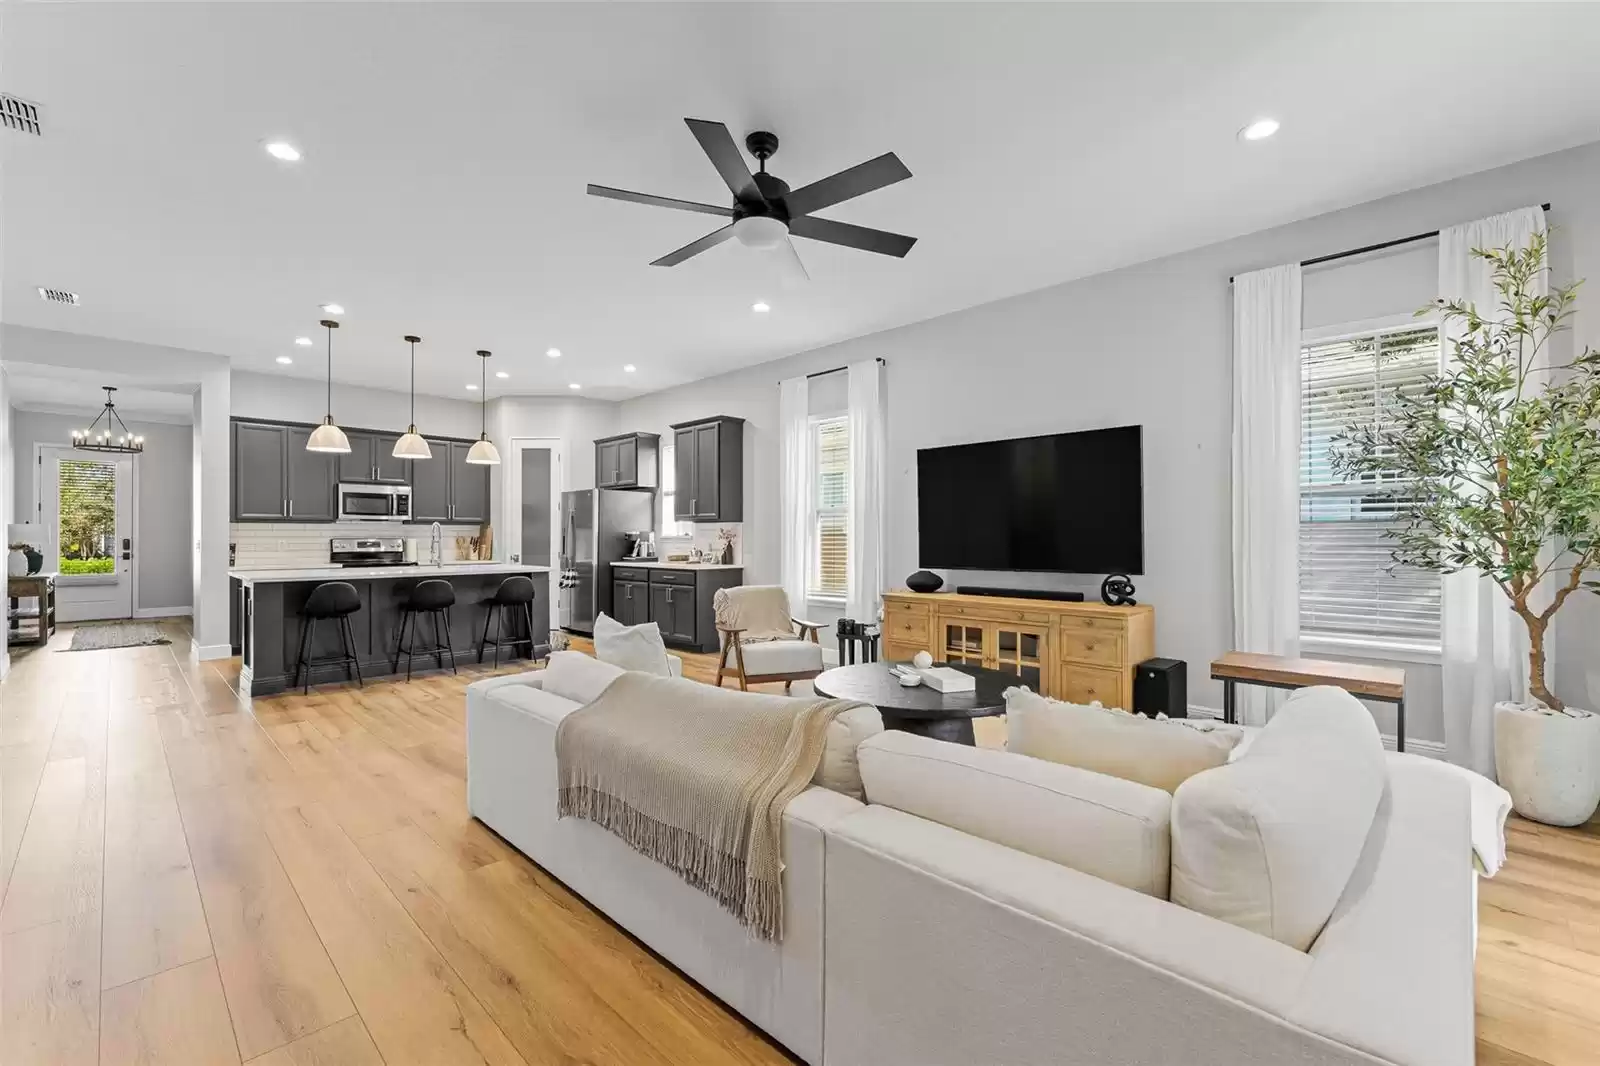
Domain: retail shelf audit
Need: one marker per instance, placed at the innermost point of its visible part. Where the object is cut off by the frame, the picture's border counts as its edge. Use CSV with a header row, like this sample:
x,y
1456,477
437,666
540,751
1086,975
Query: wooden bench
x,y
1386,684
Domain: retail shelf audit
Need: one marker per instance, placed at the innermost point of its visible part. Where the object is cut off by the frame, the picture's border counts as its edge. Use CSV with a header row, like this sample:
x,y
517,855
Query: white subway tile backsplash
x,y
264,545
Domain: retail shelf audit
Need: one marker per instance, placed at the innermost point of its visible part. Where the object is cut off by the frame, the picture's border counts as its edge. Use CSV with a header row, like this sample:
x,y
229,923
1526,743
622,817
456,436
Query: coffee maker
x,y
641,545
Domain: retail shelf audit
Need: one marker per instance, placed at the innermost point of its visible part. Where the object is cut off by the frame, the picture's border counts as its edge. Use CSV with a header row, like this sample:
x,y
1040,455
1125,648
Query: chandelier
x,y
113,437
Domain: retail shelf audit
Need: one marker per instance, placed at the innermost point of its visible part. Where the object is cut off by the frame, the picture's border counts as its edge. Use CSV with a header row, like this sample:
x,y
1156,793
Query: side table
x,y
41,587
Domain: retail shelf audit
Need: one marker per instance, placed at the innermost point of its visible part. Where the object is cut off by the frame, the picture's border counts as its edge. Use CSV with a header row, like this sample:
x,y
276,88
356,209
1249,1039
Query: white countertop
x,y
375,573
679,566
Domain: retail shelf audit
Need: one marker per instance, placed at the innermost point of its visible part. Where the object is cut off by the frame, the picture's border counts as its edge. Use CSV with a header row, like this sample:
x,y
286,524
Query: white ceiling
x,y
67,390
447,147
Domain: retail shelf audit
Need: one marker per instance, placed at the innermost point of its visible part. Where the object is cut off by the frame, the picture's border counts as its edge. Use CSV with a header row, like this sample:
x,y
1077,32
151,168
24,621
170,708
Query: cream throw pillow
x,y
630,647
1159,753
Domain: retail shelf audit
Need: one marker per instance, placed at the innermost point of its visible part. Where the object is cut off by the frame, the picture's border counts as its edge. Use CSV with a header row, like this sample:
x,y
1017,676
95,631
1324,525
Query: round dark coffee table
x,y
919,709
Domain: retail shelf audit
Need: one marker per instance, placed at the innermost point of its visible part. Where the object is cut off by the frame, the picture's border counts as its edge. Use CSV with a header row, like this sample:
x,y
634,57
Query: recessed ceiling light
x,y
501,374
1260,129
304,342
333,309
761,307
628,368
285,360
554,353
472,388
574,385
283,150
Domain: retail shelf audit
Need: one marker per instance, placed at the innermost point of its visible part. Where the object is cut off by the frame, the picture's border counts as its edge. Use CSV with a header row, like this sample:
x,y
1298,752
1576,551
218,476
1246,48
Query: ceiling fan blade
x,y
847,184
718,143
868,240
710,240
658,201
794,271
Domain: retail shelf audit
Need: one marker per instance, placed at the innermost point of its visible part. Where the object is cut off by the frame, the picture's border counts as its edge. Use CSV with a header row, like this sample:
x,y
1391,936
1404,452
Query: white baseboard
x,y
204,652
163,612
1433,749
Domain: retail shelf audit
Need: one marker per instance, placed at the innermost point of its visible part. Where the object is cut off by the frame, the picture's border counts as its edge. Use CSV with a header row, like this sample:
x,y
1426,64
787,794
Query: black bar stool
x,y
331,599
516,594
434,598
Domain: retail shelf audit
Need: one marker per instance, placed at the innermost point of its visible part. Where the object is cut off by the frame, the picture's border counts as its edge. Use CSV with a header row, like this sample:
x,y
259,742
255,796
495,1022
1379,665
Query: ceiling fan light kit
x,y
766,213
411,444
483,452
115,437
329,437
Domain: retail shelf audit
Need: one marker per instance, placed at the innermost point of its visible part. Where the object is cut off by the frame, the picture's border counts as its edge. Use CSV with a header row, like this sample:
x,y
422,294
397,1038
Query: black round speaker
x,y
924,581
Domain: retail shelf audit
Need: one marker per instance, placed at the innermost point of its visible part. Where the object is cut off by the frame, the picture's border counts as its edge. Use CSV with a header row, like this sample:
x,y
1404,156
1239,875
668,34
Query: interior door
x,y
531,482
86,501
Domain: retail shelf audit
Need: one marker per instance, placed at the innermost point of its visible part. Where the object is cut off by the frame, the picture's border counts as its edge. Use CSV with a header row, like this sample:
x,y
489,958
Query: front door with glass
x,y
85,501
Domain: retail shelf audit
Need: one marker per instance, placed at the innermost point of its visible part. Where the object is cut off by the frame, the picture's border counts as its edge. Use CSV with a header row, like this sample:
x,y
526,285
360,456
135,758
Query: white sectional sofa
x,y
988,908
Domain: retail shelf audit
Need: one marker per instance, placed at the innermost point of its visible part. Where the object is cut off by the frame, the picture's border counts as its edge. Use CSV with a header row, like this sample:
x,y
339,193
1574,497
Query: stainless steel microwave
x,y
364,502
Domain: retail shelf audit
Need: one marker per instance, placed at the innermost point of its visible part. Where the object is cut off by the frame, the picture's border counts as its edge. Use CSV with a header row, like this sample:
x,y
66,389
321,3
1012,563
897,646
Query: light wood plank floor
x,y
187,877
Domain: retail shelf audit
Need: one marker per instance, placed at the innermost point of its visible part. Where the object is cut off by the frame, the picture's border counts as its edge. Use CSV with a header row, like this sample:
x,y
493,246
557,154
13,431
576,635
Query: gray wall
x,y
1149,344
166,490
290,399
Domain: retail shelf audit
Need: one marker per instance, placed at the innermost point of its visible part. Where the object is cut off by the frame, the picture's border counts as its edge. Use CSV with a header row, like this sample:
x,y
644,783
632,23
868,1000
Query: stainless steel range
x,y
367,551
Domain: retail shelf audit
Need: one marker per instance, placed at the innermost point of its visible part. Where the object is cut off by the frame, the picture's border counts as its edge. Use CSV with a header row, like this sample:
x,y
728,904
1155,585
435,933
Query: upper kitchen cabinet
x,y
469,486
276,480
430,484
371,458
627,461
708,460
313,489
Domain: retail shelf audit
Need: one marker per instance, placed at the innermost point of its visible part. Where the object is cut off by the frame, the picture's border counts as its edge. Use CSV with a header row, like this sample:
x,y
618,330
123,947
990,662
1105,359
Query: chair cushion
x,y
1159,753
1104,826
1268,842
779,657
578,677
630,647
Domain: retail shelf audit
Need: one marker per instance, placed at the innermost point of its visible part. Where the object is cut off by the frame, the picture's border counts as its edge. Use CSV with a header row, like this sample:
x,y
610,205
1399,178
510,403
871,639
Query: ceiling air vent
x,y
20,115
58,296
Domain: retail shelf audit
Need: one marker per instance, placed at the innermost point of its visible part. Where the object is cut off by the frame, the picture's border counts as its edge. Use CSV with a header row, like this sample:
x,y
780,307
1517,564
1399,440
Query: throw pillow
x,y
578,677
630,647
1161,754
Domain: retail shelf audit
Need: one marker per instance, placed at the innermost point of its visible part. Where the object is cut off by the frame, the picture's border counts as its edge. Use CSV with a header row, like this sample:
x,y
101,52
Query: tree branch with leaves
x,y
1496,459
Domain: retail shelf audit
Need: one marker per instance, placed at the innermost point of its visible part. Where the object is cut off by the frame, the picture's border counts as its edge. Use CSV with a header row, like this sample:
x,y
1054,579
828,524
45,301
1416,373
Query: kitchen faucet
x,y
435,545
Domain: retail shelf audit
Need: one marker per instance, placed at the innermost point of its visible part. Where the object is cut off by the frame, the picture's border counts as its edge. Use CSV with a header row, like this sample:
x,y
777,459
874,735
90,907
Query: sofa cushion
x,y
578,676
1159,753
630,647
1268,842
1107,827
840,770
779,657
535,701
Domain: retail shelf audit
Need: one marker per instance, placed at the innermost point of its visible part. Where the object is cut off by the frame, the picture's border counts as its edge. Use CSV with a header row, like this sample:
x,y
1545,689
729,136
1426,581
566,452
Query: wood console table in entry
x,y
41,587
1385,684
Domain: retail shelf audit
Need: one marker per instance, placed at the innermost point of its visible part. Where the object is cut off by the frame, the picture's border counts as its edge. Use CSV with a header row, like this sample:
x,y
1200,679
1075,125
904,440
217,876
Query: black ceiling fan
x,y
765,211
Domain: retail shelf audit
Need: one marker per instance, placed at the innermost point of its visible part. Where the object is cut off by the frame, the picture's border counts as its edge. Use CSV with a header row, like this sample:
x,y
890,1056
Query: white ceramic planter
x,y
1550,763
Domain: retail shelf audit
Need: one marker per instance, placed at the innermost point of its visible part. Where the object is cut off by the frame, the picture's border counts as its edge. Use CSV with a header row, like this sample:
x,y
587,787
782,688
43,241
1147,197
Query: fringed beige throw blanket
x,y
696,778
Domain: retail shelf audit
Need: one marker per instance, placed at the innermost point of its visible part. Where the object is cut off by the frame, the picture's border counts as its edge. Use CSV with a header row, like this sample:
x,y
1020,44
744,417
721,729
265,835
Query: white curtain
x,y
794,489
1266,473
864,561
1483,644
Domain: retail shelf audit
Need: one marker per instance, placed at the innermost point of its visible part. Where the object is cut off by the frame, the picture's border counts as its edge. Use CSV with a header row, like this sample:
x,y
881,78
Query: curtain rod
x,y
880,360
1380,246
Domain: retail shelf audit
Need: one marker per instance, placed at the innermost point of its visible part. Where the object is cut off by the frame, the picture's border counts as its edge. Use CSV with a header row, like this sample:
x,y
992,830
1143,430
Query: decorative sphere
x,y
922,660
924,581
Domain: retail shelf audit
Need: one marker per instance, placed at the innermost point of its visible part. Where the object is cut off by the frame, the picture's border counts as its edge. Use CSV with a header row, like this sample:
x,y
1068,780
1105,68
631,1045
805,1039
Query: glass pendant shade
x,y
412,446
328,438
483,453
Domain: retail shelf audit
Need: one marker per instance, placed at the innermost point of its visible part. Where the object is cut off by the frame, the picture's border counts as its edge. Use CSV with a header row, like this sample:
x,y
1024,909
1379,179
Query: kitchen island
x,y
271,602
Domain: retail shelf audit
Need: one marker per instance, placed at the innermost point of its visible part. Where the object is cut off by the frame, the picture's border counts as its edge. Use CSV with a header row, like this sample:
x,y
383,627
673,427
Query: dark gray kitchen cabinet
x,y
681,604
708,460
260,473
630,602
312,485
627,461
469,486
430,484
387,467
371,458
672,610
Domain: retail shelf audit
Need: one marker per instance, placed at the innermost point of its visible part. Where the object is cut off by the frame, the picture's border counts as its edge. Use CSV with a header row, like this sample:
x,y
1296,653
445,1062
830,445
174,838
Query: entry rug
x,y
116,635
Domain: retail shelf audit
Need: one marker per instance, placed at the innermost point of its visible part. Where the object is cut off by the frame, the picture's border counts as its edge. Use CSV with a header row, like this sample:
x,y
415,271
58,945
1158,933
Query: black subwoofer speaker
x,y
1161,686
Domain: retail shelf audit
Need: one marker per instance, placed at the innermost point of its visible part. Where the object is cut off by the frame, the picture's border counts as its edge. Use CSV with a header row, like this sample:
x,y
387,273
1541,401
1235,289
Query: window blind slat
x,y
830,524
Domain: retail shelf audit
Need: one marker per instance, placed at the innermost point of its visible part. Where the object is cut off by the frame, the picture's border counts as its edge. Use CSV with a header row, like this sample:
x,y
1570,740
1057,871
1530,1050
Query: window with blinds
x,y
1351,591
86,516
830,541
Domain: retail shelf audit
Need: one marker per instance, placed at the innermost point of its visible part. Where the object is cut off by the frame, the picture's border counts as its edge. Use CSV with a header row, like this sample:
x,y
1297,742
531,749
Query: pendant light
x,y
411,445
329,437
483,452
116,437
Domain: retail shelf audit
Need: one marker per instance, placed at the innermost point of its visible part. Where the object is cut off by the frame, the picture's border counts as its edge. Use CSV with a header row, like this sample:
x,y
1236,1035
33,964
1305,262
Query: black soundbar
x,y
1023,594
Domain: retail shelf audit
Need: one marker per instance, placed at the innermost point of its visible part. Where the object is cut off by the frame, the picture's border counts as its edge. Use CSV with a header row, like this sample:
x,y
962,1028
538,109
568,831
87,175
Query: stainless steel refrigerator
x,y
593,522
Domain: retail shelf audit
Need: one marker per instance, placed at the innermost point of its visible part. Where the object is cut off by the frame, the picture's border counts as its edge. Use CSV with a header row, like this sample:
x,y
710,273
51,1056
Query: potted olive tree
x,y
1498,458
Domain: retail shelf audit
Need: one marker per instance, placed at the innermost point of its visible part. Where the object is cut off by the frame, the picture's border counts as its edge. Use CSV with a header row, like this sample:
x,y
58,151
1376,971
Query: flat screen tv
x,y
1069,502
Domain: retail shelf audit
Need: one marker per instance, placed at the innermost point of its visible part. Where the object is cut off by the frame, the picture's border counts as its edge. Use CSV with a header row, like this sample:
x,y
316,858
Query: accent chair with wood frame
x,y
764,642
